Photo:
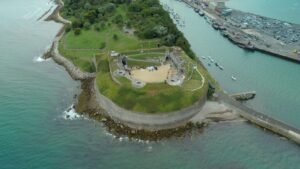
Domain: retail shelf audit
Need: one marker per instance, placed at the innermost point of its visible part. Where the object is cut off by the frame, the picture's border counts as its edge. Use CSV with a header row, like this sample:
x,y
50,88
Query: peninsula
x,y
138,74
136,68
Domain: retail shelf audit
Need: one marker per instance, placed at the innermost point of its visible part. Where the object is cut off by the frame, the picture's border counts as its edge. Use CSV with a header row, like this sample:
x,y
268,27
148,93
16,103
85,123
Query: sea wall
x,y
140,120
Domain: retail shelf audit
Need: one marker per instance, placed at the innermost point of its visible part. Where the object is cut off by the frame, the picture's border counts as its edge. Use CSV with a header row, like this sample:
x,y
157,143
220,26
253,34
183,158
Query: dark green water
x,y
34,95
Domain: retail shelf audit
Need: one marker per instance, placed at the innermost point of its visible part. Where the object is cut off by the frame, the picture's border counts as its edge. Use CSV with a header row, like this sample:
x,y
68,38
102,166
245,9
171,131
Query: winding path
x,y
202,79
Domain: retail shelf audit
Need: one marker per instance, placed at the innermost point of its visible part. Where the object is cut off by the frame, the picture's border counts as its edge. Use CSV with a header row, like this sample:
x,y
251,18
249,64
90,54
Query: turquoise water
x,y
34,95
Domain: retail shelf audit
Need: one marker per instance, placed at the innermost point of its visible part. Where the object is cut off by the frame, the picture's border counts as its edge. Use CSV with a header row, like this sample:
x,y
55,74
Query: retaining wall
x,y
139,120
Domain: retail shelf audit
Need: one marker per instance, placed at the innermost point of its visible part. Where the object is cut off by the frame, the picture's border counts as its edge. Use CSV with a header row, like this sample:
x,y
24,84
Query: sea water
x,y
35,94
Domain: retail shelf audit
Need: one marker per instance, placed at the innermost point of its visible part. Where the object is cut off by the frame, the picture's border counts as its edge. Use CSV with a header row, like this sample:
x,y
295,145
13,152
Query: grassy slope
x,y
153,98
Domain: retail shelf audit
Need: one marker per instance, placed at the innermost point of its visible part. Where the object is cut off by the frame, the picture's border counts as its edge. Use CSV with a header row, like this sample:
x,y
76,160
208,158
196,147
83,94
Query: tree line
x,y
147,17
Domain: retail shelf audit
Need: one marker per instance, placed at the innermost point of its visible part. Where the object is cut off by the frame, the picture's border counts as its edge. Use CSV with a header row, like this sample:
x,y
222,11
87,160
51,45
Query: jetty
x,y
251,31
243,96
261,119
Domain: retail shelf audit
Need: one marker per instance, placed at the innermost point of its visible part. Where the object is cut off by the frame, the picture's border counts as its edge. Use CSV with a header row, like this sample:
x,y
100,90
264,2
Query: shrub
x,y
115,37
68,28
97,27
77,31
87,25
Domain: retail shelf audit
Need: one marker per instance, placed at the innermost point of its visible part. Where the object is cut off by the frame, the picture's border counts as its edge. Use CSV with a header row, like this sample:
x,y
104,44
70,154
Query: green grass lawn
x,y
81,48
88,39
153,98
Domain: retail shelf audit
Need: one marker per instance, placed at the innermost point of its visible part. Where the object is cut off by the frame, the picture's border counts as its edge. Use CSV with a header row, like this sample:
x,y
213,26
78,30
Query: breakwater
x,y
262,120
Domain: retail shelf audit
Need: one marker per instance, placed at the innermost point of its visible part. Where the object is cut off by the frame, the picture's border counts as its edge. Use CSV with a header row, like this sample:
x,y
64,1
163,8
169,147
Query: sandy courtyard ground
x,y
155,76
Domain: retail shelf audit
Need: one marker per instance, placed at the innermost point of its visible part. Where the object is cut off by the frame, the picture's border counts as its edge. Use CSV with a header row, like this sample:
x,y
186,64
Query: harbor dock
x,y
250,31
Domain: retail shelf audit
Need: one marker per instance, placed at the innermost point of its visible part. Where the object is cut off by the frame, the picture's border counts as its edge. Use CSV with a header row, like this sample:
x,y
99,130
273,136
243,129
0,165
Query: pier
x,y
262,120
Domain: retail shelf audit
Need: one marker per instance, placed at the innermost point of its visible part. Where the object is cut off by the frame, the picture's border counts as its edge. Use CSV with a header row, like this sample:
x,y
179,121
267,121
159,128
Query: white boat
x,y
221,67
203,57
233,78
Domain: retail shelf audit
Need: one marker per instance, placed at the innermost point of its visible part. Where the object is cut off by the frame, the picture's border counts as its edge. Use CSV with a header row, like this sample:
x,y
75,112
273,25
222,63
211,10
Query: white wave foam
x,y
126,139
71,114
40,58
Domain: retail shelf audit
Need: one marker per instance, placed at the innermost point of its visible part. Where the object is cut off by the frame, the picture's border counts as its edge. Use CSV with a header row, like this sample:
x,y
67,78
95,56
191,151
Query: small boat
x,y
224,33
201,13
211,59
221,67
217,64
216,26
208,20
203,57
233,78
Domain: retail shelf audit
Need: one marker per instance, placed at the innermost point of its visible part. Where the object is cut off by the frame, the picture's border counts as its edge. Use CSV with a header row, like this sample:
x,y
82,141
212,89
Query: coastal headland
x,y
171,102
251,31
91,101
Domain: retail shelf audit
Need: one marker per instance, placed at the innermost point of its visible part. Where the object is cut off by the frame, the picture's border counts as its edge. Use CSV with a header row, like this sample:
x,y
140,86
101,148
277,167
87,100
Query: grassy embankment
x,y
153,98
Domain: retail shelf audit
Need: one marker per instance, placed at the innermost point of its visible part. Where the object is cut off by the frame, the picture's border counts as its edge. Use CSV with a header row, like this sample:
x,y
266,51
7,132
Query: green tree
x,y
87,25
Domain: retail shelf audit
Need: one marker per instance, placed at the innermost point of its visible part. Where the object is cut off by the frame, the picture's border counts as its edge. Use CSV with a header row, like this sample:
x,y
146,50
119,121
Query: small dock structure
x,y
244,96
